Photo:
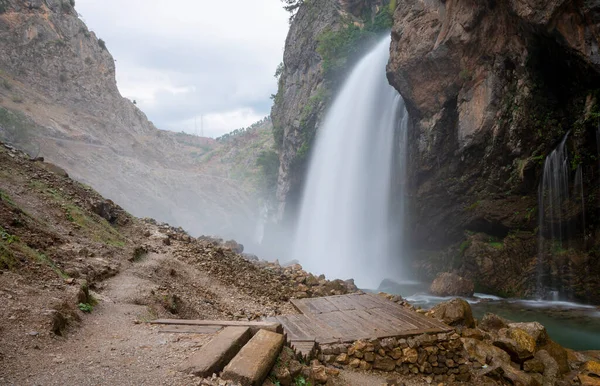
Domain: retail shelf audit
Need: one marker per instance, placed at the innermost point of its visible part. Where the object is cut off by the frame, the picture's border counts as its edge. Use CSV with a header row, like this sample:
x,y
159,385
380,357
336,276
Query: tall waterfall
x,y
344,224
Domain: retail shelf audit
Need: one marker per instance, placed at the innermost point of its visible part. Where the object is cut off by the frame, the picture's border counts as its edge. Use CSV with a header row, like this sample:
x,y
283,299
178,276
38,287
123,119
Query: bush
x,y
102,44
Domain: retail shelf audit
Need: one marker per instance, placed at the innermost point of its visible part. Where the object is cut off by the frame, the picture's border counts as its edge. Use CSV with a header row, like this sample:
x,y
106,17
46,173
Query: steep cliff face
x,y
325,37
491,88
302,79
59,99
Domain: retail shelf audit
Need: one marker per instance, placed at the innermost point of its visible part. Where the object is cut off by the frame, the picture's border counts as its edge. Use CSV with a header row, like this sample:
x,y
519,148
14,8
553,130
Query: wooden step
x,y
253,363
213,356
254,326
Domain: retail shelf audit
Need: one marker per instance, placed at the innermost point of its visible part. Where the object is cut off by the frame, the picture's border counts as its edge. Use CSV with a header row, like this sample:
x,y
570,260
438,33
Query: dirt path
x,y
111,347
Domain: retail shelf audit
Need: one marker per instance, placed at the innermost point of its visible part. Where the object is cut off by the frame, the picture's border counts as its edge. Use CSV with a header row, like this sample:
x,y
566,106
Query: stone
x,y
456,312
283,375
295,368
213,356
450,284
533,366
366,366
492,322
369,356
586,380
591,368
355,363
534,329
396,353
485,353
384,364
253,362
319,374
474,333
518,377
550,373
517,343
410,355
342,358
559,354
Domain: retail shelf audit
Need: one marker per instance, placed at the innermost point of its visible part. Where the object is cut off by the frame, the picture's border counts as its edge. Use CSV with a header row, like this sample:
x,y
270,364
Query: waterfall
x,y
344,225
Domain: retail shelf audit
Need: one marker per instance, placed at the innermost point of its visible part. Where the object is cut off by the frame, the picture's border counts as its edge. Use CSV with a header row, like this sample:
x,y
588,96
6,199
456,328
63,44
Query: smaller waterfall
x,y
552,194
561,201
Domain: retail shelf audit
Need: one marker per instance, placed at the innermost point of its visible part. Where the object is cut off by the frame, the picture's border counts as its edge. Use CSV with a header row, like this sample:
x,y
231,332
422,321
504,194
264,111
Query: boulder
x,y
550,367
455,312
559,354
485,353
234,246
450,284
591,368
534,329
517,343
492,322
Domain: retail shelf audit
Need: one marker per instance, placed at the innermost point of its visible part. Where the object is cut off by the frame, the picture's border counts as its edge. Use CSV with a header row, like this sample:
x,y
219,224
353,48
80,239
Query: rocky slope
x,y
59,100
78,275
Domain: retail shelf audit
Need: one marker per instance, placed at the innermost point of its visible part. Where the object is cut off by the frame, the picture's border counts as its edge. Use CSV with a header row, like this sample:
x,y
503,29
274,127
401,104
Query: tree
x,y
292,5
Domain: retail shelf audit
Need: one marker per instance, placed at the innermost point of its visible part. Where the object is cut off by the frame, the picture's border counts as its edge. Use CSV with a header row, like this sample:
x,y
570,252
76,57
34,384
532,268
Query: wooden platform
x,y
347,318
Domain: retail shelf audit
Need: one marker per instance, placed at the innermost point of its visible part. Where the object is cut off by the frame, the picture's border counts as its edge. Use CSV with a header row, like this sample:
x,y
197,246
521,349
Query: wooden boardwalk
x,y
347,318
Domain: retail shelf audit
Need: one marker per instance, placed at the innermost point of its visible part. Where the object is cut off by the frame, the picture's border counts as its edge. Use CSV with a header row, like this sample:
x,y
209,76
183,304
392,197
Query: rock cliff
x,y
491,88
59,99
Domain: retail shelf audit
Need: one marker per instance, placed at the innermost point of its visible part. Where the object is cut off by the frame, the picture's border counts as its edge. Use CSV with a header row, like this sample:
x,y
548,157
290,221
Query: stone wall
x,y
441,357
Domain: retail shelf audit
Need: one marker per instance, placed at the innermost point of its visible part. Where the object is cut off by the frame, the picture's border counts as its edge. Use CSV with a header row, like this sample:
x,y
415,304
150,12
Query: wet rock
x,y
456,312
450,284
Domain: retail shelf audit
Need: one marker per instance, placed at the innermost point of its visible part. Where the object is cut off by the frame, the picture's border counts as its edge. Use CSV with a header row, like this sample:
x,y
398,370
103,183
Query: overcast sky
x,y
180,59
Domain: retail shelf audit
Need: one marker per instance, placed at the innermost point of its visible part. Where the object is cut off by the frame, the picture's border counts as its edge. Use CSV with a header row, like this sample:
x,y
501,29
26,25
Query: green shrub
x,y
102,44
85,307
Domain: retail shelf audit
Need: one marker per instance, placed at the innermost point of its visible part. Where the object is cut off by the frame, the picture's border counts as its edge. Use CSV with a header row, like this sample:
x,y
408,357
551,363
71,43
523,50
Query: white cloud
x,y
180,59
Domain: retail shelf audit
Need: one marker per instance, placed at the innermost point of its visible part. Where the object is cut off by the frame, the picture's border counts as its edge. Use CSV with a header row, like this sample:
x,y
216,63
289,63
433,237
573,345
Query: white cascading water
x,y
344,228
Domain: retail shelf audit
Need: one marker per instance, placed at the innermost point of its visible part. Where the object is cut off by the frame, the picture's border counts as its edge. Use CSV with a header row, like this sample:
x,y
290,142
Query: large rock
x,y
475,76
485,353
492,322
450,284
536,330
518,343
456,312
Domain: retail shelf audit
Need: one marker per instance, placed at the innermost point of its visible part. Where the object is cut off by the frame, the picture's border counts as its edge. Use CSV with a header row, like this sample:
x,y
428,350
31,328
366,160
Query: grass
x,y
464,246
496,244
99,229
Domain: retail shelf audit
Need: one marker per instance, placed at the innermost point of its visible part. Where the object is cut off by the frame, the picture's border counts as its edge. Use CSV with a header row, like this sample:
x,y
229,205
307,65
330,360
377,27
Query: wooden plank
x,y
304,307
312,326
293,330
345,302
323,305
175,329
254,326
398,324
293,333
345,327
383,326
415,318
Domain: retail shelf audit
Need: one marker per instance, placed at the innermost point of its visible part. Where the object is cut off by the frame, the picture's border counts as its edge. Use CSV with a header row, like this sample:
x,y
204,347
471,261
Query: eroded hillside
x,y
59,100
